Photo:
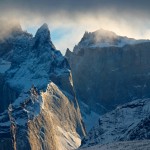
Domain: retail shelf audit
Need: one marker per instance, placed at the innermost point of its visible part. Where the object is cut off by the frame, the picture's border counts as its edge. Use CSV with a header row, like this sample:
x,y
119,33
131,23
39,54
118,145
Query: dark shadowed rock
x,y
108,75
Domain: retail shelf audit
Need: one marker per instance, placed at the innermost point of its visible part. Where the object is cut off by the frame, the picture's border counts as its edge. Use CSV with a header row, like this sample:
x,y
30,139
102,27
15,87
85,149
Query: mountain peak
x,y
42,37
43,34
99,35
44,27
104,38
105,34
100,32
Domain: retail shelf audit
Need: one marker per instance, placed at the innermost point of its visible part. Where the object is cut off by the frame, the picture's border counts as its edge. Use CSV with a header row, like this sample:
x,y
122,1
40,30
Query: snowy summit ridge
x,y
36,87
104,38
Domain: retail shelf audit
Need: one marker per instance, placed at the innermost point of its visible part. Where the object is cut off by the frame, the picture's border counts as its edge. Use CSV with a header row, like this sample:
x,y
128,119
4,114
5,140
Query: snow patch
x,y
69,140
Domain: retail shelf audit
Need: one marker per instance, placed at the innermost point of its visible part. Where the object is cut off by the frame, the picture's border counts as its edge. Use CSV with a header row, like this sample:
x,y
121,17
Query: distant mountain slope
x,y
38,107
128,122
128,145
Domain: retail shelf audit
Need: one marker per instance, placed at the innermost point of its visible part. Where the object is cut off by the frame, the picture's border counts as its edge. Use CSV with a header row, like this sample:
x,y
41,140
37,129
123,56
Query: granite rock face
x,y
109,71
39,109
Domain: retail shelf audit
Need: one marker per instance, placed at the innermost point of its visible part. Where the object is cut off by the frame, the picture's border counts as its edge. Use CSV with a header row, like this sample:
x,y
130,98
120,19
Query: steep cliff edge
x,y
109,70
44,112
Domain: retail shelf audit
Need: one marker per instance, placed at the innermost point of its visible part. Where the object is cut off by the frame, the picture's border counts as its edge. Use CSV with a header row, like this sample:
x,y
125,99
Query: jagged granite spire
x,y
37,79
42,37
43,33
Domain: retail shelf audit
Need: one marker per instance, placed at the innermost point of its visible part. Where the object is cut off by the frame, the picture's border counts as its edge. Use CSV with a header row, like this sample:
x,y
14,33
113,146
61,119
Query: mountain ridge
x,y
129,122
104,38
36,87
105,77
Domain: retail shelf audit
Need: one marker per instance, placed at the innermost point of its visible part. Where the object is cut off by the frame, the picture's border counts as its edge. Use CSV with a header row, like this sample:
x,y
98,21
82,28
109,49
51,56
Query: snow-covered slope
x,y
128,122
90,117
128,145
36,80
30,60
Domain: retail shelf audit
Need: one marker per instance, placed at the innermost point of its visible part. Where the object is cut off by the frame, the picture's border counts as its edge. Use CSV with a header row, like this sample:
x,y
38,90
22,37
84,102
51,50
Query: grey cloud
x,y
46,7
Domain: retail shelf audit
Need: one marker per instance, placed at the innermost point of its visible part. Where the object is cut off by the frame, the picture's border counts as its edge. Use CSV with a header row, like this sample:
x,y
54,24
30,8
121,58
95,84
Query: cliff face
x,y
110,71
39,108
46,120
107,74
62,125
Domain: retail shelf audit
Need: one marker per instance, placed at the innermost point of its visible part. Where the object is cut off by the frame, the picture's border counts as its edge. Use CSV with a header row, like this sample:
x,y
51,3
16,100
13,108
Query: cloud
x,y
46,7
73,17
6,27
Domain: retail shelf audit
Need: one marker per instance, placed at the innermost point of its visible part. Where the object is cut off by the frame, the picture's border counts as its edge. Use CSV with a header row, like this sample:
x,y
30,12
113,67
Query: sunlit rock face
x,y
109,70
39,109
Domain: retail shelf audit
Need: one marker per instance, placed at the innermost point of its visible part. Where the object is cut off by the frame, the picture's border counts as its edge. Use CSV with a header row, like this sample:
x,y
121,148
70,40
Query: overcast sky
x,y
69,19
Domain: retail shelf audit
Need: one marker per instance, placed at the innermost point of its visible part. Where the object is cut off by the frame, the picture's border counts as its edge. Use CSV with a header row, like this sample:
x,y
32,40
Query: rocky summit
x,y
39,109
